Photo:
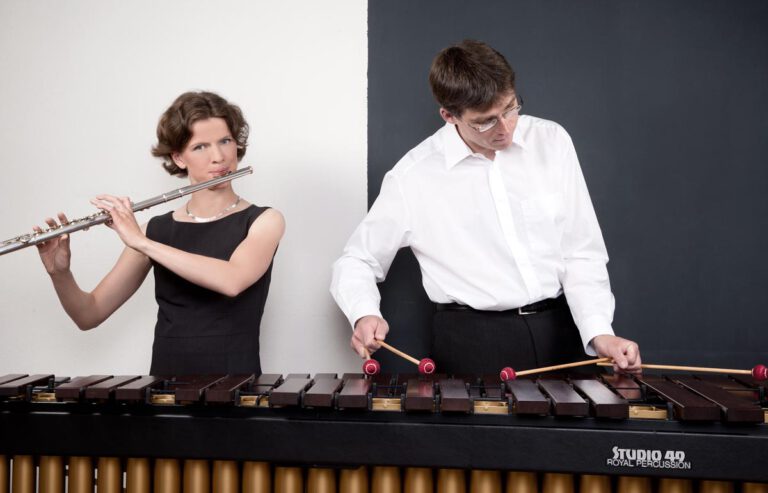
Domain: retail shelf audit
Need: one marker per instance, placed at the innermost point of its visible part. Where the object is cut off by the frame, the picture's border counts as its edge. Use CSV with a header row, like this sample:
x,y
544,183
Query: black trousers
x,y
472,342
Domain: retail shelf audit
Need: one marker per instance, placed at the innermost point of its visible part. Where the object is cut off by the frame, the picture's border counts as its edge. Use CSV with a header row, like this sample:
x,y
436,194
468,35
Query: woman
x,y
212,256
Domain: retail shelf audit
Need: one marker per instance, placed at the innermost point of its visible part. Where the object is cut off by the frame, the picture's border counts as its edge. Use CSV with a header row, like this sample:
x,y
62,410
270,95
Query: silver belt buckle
x,y
520,311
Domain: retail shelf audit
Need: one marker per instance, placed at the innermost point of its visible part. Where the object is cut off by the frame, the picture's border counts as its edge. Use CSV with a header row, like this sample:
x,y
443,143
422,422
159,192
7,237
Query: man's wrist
x,y
362,310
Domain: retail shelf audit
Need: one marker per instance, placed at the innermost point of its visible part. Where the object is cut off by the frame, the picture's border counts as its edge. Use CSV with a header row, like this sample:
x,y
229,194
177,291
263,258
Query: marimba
x,y
259,432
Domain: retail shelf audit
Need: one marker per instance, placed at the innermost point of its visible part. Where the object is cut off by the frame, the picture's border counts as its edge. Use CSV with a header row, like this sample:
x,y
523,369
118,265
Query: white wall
x,y
82,85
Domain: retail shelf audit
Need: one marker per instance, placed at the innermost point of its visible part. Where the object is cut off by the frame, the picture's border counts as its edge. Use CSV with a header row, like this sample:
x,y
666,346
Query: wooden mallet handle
x,y
758,371
426,365
398,352
510,374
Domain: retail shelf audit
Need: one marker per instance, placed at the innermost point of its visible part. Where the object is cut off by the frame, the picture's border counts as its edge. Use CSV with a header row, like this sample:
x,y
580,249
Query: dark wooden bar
x,y
354,394
687,406
18,387
192,388
419,395
725,382
322,392
527,398
136,390
289,392
106,390
257,392
224,390
602,402
736,387
9,378
624,385
565,400
454,396
268,380
734,409
75,388
760,385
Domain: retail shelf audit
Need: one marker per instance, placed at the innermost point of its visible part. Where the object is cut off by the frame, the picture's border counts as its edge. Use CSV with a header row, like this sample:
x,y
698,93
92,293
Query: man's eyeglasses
x,y
513,111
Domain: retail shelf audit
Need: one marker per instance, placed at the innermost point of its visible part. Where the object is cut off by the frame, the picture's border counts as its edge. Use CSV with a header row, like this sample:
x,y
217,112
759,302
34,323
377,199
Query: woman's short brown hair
x,y
174,130
470,75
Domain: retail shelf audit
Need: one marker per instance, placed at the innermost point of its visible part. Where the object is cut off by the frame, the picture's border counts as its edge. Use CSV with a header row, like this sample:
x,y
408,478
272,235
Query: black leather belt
x,y
538,307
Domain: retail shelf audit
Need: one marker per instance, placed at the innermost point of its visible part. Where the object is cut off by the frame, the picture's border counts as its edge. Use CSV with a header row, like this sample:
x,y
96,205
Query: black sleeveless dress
x,y
199,331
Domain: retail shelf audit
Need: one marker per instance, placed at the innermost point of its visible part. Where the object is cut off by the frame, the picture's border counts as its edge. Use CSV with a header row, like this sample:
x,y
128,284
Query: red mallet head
x,y
427,366
371,367
507,374
760,372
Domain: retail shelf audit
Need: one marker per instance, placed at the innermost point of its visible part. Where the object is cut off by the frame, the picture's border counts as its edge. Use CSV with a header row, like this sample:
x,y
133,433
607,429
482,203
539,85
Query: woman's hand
x,y
122,219
55,253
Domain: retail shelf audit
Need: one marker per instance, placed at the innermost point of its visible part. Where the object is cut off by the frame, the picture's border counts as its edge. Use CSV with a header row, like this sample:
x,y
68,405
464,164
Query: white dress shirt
x,y
491,234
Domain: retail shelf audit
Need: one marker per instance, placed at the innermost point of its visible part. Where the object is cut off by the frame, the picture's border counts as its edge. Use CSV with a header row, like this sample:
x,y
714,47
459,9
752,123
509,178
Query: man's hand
x,y
624,353
367,330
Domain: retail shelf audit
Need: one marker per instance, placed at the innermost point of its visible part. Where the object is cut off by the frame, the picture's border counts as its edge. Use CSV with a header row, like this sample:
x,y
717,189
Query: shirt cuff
x,y
362,309
592,327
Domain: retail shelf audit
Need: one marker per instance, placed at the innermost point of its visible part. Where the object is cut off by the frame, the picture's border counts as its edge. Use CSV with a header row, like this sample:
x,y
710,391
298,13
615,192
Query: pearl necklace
x,y
199,219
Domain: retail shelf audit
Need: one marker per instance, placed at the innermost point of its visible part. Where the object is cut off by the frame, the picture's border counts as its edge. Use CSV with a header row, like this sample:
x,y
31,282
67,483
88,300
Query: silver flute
x,y
101,217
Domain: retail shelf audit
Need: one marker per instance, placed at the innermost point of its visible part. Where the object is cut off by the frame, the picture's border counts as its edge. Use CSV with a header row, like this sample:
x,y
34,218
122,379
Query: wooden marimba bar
x,y
580,433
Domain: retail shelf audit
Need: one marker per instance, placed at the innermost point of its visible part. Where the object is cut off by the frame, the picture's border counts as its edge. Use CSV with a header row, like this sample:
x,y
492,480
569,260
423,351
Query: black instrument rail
x,y
350,438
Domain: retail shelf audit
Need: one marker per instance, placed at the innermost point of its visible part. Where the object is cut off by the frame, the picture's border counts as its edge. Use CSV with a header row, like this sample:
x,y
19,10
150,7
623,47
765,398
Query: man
x,y
497,213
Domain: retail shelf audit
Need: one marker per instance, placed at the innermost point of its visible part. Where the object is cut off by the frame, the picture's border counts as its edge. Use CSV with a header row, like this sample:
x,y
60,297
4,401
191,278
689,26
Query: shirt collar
x,y
520,130
456,150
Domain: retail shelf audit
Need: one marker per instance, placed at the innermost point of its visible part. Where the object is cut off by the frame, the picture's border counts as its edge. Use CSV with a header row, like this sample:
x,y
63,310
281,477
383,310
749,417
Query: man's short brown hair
x,y
174,130
470,75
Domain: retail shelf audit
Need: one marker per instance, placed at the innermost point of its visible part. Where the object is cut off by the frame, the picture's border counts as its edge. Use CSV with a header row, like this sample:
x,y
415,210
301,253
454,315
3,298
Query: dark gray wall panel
x,y
667,104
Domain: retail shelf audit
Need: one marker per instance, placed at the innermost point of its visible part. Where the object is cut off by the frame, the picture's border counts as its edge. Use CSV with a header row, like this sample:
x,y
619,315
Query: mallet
x,y
510,374
372,367
758,372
